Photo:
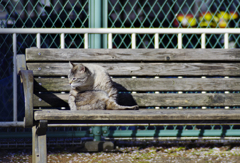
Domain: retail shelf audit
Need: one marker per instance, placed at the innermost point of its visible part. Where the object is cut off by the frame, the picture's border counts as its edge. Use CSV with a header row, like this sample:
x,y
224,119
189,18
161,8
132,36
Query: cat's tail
x,y
112,105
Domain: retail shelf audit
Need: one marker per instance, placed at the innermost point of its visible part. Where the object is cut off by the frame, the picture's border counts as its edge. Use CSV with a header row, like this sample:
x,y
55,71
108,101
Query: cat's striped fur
x,y
92,89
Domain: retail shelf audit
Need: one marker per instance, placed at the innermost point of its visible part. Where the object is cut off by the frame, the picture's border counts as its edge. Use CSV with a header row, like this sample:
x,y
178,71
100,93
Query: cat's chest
x,y
85,88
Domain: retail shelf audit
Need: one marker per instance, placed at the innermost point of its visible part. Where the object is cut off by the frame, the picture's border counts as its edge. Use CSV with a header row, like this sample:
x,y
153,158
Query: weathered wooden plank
x,y
145,69
27,80
133,54
42,140
133,115
145,100
34,145
21,62
153,84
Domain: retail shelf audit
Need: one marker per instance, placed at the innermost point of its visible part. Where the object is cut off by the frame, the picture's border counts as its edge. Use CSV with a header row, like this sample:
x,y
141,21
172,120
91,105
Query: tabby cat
x,y
92,89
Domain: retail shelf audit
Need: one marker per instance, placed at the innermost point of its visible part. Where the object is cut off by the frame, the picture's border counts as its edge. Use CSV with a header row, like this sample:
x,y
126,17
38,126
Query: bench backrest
x,y
156,78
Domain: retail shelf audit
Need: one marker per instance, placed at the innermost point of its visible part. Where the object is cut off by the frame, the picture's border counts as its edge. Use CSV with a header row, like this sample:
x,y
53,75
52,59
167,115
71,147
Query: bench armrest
x,y
27,80
21,62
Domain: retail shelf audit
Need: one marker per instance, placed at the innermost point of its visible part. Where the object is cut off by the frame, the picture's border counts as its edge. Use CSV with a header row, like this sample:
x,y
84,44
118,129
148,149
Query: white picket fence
x,y
109,32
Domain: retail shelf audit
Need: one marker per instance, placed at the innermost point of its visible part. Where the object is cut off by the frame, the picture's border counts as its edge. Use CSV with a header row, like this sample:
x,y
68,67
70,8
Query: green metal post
x,y
105,23
98,17
95,20
97,133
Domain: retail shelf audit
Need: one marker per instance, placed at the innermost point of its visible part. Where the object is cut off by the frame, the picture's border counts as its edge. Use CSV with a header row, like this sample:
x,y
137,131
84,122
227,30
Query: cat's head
x,y
78,75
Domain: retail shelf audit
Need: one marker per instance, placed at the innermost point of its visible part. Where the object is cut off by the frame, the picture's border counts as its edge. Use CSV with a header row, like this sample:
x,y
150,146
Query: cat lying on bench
x,y
92,89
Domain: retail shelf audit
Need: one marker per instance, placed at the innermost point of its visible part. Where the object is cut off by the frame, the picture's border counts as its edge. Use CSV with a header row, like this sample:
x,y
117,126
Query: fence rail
x,y
109,32
121,30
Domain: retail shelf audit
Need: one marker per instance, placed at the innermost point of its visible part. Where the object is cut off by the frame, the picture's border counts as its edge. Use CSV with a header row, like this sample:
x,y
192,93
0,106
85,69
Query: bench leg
x,y
42,148
34,144
39,144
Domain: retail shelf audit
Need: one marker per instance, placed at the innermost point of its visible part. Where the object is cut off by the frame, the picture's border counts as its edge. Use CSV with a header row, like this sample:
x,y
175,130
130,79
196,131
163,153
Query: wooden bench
x,y
157,79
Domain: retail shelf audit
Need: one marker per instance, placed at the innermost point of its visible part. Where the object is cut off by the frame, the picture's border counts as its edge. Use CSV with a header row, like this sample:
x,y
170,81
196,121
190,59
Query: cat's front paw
x,y
73,107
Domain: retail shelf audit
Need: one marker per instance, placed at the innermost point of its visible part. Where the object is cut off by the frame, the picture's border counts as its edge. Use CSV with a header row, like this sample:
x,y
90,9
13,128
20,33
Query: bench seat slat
x,y
139,84
145,114
133,55
147,100
145,69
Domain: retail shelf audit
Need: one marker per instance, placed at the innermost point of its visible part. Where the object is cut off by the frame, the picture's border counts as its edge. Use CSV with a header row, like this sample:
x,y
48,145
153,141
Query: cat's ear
x,y
82,68
71,64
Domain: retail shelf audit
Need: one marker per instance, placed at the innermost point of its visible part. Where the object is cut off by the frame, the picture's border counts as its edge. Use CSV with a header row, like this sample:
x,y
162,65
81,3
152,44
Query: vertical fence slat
x,y
156,41
179,40
203,40
226,40
133,40
62,41
110,41
85,40
38,41
14,77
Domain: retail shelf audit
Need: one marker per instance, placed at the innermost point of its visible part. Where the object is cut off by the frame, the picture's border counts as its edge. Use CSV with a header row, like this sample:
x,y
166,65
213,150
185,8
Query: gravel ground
x,y
181,153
